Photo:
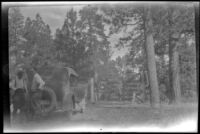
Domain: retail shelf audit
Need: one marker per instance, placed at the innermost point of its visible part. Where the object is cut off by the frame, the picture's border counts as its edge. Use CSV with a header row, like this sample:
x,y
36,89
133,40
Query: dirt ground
x,y
119,115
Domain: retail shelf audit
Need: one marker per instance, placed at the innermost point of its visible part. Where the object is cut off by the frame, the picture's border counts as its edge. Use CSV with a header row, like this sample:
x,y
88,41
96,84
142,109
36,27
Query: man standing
x,y
37,82
36,89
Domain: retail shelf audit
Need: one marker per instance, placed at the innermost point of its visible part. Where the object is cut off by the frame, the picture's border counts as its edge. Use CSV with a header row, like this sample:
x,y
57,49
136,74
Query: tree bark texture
x,y
174,76
151,63
92,90
171,94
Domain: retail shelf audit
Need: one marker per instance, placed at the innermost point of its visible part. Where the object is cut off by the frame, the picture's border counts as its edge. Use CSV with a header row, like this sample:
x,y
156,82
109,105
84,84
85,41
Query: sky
x,y
55,15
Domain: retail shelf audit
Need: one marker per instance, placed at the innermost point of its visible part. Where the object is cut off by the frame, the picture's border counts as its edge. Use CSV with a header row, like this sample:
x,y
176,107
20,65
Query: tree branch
x,y
138,22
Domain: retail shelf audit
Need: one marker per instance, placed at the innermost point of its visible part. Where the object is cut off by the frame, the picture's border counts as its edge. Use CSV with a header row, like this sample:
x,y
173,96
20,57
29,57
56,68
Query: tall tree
x,y
71,45
97,40
39,41
141,39
155,99
82,44
15,25
174,21
16,22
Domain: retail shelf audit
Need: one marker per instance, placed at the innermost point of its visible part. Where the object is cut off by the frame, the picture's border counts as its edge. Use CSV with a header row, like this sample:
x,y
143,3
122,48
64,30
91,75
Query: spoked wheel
x,y
43,102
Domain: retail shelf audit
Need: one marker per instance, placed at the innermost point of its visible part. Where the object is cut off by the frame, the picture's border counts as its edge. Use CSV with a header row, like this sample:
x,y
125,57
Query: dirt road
x,y
116,115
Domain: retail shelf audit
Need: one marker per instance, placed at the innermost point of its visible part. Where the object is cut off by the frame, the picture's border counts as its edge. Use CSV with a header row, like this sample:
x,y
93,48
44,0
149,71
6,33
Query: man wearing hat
x,y
20,91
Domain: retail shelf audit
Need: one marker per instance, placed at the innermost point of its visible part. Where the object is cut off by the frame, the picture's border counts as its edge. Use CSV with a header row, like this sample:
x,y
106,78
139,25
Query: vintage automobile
x,y
57,94
60,94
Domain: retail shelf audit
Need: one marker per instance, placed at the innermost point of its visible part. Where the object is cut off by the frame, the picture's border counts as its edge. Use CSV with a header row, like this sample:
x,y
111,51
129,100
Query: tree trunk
x,y
92,90
176,78
95,81
151,63
174,73
197,43
171,94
